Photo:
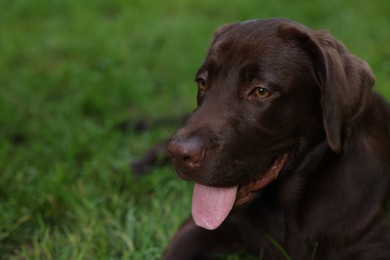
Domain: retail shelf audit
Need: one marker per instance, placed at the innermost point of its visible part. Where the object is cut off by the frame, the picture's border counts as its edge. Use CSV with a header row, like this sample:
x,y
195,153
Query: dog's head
x,y
266,90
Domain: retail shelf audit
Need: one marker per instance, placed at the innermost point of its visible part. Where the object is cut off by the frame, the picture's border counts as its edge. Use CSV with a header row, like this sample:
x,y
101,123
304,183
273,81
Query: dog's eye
x,y
201,83
261,92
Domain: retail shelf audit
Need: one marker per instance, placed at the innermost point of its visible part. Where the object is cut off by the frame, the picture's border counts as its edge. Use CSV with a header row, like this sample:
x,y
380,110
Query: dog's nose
x,y
187,154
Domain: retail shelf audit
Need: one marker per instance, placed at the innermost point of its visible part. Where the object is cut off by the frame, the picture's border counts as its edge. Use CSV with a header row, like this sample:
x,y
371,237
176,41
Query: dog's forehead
x,y
245,42
254,43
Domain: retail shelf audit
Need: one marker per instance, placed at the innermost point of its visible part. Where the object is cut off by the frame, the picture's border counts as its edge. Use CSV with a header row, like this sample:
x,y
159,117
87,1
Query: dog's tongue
x,y
211,205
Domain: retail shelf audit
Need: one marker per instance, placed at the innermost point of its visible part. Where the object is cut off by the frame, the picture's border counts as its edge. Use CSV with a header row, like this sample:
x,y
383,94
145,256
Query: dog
x,y
289,149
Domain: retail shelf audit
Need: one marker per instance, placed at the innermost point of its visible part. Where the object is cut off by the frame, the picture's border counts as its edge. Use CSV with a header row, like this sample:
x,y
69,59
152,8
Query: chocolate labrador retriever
x,y
289,149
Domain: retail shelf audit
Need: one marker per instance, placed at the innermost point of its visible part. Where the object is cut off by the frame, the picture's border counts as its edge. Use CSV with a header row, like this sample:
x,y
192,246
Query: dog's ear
x,y
344,79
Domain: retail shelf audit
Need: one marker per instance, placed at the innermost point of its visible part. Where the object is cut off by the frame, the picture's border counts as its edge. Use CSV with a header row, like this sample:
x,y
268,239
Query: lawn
x,y
76,76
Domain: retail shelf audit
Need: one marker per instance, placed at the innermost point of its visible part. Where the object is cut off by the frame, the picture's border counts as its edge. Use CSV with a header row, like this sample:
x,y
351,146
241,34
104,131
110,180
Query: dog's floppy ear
x,y
344,79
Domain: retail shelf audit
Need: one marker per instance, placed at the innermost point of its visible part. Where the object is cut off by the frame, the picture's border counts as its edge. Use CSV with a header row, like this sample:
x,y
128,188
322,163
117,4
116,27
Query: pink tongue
x,y
211,205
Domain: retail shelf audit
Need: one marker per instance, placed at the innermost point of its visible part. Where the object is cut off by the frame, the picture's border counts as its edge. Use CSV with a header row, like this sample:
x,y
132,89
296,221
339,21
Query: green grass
x,y
71,71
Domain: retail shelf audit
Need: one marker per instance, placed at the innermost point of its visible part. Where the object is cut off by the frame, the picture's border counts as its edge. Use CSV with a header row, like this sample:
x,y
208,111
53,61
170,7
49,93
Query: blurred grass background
x,y
72,71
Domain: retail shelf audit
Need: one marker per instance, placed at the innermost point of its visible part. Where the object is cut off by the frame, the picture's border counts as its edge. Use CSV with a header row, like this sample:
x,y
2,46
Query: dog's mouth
x,y
211,205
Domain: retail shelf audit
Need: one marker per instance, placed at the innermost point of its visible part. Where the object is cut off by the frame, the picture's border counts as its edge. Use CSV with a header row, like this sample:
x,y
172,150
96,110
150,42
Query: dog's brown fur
x,y
320,111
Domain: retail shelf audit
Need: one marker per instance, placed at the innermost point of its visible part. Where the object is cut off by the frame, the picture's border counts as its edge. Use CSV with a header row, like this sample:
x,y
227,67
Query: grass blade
x,y
313,256
279,247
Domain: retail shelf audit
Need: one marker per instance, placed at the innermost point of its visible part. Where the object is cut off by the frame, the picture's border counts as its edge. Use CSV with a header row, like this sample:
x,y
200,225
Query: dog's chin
x,y
211,205
245,192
